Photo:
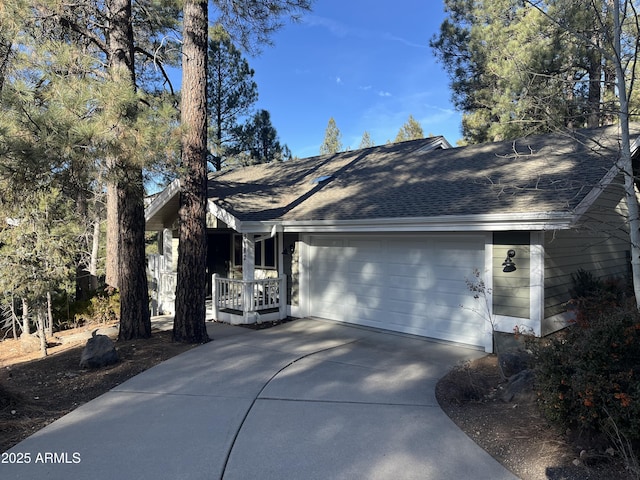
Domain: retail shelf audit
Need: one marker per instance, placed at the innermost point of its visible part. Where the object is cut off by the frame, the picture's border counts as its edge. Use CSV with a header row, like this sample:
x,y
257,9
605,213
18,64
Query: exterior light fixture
x,y
508,265
289,251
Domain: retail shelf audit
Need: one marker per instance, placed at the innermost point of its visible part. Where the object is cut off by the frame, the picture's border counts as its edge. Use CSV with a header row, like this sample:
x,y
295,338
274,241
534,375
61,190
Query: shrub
x,y
589,375
101,308
464,384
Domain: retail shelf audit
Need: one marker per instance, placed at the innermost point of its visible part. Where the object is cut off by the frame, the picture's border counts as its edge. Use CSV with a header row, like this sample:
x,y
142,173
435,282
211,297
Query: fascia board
x,y
222,214
442,143
268,228
595,192
498,222
160,201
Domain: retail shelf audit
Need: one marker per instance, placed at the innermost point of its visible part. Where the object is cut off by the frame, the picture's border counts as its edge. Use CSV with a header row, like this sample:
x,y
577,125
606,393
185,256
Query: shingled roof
x,y
549,174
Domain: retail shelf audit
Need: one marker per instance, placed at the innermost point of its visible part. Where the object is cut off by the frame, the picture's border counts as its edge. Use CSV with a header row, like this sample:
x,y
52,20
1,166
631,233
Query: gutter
x,y
489,222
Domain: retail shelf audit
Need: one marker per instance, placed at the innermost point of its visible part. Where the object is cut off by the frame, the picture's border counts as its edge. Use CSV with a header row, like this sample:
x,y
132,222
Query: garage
x,y
412,284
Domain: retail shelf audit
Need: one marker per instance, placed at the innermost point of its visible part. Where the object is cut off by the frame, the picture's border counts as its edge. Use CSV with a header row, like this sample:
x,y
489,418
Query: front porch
x,y
233,301
249,276
248,301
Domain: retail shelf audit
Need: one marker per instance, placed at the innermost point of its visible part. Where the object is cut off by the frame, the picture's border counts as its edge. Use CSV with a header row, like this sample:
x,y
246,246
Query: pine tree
x,y
258,142
231,91
332,142
37,250
514,71
411,130
60,112
366,141
188,324
250,24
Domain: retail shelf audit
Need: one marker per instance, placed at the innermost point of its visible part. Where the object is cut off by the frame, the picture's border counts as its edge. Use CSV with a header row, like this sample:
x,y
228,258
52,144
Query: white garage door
x,y
412,285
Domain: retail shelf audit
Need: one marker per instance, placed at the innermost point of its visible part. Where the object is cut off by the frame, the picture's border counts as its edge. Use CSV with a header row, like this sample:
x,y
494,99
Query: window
x,y
269,256
265,254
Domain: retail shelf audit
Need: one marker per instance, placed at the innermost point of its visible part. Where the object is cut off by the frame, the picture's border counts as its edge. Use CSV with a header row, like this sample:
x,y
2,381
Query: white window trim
x,y
259,244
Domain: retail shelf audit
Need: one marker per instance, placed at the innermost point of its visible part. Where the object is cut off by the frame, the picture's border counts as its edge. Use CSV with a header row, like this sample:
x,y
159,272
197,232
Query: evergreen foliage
x,y
411,130
516,69
366,141
231,92
64,114
332,142
258,142
38,244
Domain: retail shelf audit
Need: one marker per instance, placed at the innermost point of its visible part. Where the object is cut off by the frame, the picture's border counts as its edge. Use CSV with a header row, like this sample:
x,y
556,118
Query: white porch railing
x,y
164,285
240,301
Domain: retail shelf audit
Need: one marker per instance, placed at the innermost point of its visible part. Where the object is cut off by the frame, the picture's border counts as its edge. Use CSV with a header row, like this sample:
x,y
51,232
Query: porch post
x,y
282,296
167,249
248,274
214,296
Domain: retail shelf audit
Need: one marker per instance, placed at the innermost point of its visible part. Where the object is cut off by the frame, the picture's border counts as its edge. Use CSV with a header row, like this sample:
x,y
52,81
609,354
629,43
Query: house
x,y
388,236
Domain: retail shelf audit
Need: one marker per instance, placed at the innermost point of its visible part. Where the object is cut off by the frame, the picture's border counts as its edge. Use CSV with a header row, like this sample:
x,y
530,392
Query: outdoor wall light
x,y
290,250
508,265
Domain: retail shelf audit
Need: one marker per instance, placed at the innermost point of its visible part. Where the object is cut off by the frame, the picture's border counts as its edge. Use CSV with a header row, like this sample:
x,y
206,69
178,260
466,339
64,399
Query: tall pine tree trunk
x,y
135,318
112,230
95,252
49,315
189,323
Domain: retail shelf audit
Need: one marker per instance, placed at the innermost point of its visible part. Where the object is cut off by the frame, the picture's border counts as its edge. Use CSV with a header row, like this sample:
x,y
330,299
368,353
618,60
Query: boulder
x,y
29,343
519,388
98,352
513,362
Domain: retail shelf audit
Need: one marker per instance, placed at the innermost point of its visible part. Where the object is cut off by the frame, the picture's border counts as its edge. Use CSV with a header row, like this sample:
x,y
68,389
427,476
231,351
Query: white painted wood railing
x,y
249,297
163,285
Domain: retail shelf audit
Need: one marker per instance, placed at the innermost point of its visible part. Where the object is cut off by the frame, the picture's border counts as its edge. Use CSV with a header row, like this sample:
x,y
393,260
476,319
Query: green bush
x,y
589,375
101,308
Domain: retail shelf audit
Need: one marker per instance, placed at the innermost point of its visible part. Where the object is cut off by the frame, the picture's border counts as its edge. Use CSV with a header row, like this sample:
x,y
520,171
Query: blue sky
x,y
367,66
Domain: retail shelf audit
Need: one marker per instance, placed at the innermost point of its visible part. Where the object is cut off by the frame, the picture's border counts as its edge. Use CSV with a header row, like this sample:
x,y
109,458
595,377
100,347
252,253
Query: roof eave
x,y
155,207
224,215
595,192
459,223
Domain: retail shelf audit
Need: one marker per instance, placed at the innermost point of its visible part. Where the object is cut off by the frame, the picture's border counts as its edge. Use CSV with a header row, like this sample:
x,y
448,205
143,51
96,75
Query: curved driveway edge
x,y
309,399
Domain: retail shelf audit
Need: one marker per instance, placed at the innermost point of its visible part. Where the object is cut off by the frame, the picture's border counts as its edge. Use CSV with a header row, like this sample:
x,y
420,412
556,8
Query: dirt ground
x,y
517,435
34,392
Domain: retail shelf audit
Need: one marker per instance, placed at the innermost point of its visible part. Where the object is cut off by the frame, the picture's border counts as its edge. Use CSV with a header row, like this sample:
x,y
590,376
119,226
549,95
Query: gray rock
x,y
514,362
519,388
29,343
99,352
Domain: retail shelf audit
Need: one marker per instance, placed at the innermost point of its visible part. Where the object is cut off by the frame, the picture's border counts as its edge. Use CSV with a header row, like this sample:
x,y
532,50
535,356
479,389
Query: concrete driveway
x,y
310,399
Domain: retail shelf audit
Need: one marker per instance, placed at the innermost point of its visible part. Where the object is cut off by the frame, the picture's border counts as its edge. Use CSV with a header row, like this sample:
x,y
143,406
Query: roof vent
x,y
435,143
322,179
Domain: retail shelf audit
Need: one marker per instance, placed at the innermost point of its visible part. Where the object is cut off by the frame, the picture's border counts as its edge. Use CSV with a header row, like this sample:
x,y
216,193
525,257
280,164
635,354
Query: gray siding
x,y
511,292
600,245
